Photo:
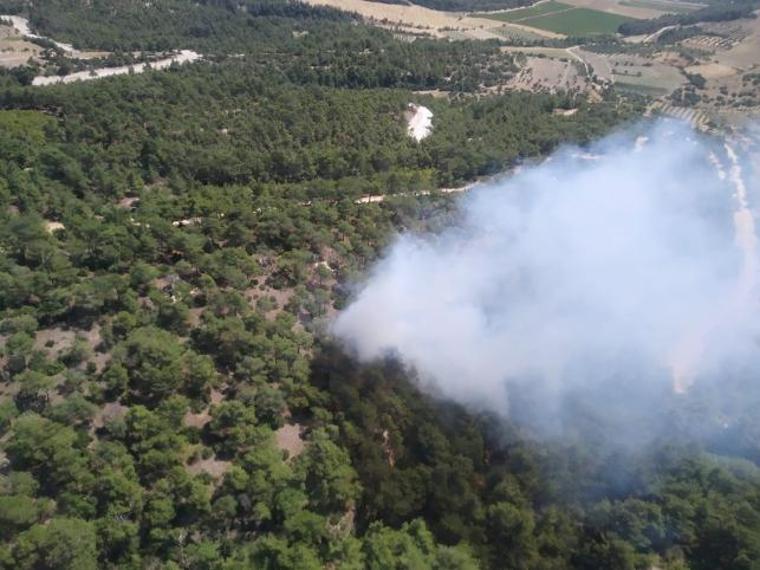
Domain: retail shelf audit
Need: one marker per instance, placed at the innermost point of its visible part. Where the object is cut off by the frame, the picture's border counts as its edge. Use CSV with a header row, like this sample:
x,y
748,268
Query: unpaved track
x,y
21,25
184,56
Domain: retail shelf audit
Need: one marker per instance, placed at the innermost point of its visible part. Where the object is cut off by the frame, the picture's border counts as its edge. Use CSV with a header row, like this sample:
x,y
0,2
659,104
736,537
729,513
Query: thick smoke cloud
x,y
610,277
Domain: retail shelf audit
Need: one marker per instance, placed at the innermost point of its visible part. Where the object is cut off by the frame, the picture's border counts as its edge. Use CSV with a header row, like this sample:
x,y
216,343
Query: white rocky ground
x,y
420,123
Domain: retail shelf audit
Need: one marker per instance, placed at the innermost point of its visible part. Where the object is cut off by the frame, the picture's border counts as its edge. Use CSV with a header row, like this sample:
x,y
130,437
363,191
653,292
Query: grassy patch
x,y
514,33
641,89
27,125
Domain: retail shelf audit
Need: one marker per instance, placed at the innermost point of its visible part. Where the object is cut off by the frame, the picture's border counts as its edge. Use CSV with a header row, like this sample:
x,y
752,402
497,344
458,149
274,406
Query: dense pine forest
x,y
172,247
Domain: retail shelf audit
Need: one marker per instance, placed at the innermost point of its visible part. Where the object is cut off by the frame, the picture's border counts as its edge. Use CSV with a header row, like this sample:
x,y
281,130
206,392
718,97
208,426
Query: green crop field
x,y
526,13
578,22
563,19
665,5
641,89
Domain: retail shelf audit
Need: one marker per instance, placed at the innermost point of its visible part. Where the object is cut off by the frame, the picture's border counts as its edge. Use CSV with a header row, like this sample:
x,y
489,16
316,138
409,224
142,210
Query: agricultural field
x,y
636,73
436,23
637,9
563,18
730,66
521,14
553,69
579,22
550,75
669,6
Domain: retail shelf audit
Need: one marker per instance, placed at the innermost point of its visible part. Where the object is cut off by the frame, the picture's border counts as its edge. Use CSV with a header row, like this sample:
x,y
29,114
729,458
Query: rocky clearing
x,y
419,121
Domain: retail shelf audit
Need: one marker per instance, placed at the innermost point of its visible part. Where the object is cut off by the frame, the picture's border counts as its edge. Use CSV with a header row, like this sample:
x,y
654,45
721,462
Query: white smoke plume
x,y
626,268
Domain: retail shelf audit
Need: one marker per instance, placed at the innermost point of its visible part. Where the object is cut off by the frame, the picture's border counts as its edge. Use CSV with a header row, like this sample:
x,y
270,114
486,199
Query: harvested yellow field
x,y
712,70
434,22
743,55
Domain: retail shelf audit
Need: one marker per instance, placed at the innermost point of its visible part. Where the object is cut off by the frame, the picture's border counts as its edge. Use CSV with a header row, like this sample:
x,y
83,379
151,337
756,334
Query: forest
x,y
172,248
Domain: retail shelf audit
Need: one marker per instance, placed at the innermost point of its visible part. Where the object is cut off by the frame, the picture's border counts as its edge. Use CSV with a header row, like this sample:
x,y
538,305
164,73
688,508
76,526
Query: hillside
x,y
173,246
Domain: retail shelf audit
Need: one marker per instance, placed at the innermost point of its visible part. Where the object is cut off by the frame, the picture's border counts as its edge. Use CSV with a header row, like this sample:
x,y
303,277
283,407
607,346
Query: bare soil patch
x,y
203,417
14,50
54,341
281,297
288,438
646,73
214,467
745,53
53,226
14,53
128,202
712,70
197,420
543,74
617,7
194,316
109,412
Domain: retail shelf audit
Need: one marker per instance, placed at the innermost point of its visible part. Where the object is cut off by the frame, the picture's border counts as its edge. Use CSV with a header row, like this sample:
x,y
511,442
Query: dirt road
x,y
184,56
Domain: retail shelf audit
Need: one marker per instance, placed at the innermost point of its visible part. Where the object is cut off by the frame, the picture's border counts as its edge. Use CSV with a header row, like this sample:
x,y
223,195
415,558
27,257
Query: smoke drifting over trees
x,y
606,280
